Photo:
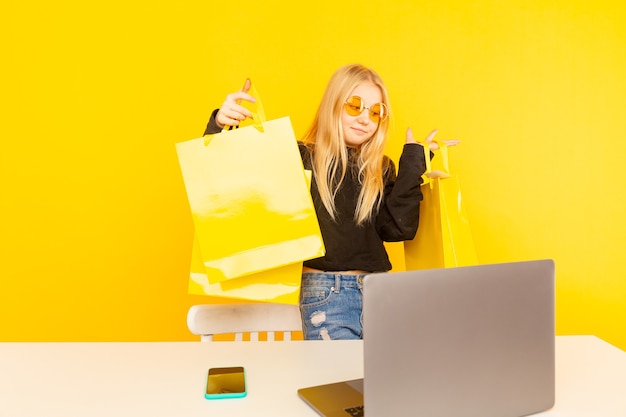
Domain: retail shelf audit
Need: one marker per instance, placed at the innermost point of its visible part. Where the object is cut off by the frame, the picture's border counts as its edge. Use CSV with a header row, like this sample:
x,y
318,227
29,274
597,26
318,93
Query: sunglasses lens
x,y
354,106
376,112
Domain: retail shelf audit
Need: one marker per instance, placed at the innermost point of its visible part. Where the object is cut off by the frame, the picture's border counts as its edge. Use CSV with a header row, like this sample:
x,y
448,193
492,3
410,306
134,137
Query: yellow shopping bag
x,y
250,202
444,238
280,285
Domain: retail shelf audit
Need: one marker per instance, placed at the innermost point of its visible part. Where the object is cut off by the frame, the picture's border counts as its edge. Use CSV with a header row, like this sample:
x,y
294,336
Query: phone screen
x,y
226,383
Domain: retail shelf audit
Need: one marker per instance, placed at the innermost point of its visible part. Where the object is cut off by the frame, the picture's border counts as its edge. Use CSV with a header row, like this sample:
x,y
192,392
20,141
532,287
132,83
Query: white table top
x,y
168,379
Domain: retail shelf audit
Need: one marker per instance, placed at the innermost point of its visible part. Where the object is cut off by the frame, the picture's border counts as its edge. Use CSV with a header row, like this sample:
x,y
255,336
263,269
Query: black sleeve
x,y
398,217
212,127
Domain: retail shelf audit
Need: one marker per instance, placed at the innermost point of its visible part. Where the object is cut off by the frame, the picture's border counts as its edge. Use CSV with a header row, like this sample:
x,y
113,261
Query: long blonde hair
x,y
330,156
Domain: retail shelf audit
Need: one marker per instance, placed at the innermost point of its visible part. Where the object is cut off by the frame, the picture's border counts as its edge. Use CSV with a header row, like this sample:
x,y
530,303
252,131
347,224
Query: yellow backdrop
x,y
95,226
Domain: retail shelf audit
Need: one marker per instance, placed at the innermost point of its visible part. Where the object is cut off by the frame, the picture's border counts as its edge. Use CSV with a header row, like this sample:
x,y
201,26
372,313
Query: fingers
x,y
247,85
228,116
409,136
431,136
237,97
231,112
430,140
452,142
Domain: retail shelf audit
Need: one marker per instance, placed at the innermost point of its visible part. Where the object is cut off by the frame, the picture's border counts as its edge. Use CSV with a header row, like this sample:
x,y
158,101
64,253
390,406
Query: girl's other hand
x,y
430,140
231,113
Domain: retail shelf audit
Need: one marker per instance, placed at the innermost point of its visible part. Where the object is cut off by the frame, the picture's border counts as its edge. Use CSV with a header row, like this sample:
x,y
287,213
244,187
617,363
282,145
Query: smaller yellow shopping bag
x,y
444,238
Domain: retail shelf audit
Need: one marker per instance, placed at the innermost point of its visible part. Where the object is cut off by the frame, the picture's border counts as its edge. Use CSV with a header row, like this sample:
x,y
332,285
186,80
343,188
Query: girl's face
x,y
359,129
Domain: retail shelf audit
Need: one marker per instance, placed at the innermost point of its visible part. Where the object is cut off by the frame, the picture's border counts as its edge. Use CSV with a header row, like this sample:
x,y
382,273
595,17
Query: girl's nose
x,y
364,117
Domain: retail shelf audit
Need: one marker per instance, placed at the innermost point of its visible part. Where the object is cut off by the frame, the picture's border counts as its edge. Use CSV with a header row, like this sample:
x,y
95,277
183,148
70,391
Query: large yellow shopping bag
x,y
279,285
249,199
444,238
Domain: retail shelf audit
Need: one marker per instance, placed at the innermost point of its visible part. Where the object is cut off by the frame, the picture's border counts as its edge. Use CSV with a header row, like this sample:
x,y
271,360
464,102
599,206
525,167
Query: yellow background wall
x,y
95,226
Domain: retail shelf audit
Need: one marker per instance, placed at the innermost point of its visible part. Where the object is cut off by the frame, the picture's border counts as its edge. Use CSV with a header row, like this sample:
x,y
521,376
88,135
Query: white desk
x,y
167,379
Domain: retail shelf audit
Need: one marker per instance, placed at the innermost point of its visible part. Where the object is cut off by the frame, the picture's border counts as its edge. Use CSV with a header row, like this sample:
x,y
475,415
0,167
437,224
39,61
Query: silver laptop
x,y
457,342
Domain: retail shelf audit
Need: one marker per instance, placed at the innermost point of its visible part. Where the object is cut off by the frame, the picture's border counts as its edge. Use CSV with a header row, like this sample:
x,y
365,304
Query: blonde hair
x,y
330,156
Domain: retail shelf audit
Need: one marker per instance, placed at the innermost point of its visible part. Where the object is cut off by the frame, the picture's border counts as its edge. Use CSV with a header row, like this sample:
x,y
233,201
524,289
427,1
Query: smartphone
x,y
226,383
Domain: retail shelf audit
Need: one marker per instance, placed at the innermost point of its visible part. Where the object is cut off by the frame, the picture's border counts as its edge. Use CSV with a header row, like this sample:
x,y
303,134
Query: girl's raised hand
x,y
231,113
430,140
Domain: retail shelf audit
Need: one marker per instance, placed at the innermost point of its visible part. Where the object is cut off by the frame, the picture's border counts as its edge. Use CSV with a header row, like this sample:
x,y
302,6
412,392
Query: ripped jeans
x,y
331,306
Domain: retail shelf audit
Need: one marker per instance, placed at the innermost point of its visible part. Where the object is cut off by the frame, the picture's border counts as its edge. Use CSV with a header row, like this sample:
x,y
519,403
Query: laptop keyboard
x,y
355,411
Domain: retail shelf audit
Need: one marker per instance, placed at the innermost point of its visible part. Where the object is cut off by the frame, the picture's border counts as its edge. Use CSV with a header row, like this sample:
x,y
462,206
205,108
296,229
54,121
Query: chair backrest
x,y
207,320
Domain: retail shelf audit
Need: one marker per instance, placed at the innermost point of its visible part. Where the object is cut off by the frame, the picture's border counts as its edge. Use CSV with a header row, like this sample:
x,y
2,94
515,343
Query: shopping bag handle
x,y
430,173
256,108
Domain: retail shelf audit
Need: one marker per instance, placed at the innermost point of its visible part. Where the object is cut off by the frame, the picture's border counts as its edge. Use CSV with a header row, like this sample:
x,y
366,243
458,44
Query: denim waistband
x,y
329,278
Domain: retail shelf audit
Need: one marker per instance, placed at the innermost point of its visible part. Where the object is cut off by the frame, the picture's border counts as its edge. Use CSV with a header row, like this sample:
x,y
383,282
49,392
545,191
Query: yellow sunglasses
x,y
377,112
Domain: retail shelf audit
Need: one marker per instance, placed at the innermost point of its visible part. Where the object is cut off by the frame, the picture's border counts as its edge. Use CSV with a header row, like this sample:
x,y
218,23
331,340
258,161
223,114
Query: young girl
x,y
359,200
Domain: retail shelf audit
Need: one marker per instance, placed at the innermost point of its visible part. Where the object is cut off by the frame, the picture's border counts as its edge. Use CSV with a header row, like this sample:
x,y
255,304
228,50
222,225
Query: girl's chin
x,y
355,141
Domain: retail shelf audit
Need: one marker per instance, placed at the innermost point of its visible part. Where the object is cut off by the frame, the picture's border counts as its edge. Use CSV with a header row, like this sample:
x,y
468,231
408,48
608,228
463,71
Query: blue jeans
x,y
331,306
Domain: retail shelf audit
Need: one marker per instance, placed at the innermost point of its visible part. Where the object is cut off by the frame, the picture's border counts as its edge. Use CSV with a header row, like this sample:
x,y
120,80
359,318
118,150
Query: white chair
x,y
207,320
